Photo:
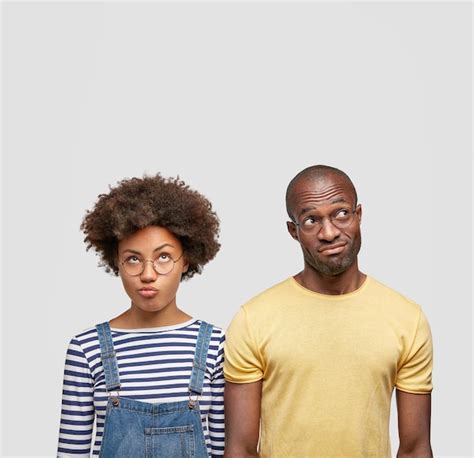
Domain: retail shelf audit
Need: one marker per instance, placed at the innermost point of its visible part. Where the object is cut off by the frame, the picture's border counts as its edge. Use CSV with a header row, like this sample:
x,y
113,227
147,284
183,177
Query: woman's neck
x,y
135,318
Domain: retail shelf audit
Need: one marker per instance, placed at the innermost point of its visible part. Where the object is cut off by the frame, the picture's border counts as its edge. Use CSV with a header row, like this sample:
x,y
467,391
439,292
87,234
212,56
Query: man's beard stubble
x,y
338,267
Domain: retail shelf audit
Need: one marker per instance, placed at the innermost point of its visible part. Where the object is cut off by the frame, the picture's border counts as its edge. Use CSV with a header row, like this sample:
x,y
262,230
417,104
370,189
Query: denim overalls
x,y
135,429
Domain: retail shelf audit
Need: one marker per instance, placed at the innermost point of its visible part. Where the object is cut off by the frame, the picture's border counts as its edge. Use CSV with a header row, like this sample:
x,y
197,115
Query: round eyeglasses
x,y
163,264
312,224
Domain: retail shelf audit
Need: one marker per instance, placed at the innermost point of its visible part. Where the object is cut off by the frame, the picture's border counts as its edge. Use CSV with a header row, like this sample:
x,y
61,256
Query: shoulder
x,y
394,303
270,296
217,332
85,344
85,336
254,314
391,294
215,352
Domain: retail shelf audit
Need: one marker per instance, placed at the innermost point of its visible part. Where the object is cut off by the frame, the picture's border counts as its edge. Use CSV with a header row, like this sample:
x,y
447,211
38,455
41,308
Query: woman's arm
x,y
77,412
216,409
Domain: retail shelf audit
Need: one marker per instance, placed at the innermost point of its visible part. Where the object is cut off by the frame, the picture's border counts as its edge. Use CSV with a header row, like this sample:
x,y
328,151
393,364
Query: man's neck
x,y
344,283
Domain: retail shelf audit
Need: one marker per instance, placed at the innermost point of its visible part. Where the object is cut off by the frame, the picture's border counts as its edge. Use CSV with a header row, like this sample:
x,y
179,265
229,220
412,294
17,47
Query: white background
x,y
236,99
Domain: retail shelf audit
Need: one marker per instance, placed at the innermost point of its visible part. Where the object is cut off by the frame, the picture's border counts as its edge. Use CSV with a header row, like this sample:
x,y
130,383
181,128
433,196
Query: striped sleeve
x,y
77,412
216,410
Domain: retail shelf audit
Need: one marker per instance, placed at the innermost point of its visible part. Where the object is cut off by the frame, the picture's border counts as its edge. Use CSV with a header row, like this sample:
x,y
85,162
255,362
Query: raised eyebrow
x,y
162,246
335,201
128,250
156,249
305,210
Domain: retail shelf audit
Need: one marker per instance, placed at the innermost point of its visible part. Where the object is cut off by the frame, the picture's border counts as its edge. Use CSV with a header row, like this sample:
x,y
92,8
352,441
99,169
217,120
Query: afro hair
x,y
136,203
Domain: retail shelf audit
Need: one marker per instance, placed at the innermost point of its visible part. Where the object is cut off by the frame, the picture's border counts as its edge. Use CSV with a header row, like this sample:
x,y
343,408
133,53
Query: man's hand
x,y
242,418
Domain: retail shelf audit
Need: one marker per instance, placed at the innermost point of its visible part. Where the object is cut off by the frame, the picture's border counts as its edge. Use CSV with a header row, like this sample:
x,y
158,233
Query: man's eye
x,y
310,221
342,214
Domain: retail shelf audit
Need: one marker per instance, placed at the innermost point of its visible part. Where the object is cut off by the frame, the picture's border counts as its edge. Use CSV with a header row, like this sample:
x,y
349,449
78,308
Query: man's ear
x,y
359,212
291,226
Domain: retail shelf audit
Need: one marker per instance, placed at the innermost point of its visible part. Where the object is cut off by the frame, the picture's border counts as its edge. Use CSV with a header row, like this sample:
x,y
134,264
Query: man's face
x,y
328,223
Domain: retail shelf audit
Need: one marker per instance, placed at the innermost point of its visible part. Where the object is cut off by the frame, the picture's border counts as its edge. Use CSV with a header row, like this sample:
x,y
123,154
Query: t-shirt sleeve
x,y
243,362
414,372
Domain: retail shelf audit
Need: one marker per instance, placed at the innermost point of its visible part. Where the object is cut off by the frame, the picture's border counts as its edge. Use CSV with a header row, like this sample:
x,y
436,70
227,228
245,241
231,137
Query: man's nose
x,y
328,231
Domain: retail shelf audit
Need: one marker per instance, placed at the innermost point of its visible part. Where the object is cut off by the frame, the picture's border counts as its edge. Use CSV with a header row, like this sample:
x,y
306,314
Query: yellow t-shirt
x,y
328,366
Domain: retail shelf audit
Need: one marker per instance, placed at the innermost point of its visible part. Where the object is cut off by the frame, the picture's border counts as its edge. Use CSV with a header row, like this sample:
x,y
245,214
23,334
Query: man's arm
x,y
242,418
414,418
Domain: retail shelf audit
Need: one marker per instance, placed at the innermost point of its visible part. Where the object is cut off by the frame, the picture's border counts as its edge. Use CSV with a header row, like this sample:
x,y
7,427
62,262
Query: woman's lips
x,y
148,292
336,249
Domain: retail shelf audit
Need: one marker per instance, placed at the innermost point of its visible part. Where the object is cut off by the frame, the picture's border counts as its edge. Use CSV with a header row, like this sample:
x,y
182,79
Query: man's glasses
x,y
312,224
163,264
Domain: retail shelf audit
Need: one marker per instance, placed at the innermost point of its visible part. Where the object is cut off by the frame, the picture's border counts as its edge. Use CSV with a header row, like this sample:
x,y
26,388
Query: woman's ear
x,y
185,266
117,264
116,260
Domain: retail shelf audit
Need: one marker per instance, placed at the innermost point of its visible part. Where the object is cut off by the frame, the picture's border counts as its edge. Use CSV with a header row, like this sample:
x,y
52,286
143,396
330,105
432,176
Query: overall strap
x,y
107,354
200,357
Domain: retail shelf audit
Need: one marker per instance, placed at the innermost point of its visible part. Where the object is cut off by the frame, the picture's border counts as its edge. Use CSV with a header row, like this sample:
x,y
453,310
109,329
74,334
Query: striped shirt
x,y
154,366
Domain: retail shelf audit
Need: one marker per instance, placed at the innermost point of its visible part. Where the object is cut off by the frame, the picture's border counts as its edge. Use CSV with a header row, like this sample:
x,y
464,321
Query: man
x,y
315,358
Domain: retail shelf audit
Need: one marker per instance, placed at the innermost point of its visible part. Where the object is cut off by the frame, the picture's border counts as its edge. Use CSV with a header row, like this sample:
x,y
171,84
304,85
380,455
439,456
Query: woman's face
x,y
151,248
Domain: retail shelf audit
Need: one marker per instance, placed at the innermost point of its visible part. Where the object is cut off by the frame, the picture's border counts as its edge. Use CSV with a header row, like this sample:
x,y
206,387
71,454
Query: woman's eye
x,y
132,260
163,258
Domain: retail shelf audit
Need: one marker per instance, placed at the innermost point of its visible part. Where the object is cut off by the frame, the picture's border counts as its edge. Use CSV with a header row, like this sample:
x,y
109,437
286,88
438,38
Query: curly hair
x,y
136,203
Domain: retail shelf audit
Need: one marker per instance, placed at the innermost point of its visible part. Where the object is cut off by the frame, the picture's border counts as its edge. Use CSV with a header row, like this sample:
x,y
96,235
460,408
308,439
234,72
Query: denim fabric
x,y
107,355
135,429
200,357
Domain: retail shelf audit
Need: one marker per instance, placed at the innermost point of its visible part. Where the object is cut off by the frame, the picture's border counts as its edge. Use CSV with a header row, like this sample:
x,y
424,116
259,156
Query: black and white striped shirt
x,y
154,366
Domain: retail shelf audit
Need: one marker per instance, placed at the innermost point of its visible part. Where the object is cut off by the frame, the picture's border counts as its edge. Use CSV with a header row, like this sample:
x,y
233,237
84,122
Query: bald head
x,y
312,173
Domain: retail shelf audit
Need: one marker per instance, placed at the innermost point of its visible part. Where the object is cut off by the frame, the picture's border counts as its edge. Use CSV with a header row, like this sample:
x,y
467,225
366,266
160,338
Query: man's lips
x,y
332,249
148,292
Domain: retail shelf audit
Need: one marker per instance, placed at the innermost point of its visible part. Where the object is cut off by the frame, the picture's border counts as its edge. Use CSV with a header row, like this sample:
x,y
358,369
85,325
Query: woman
x,y
151,377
